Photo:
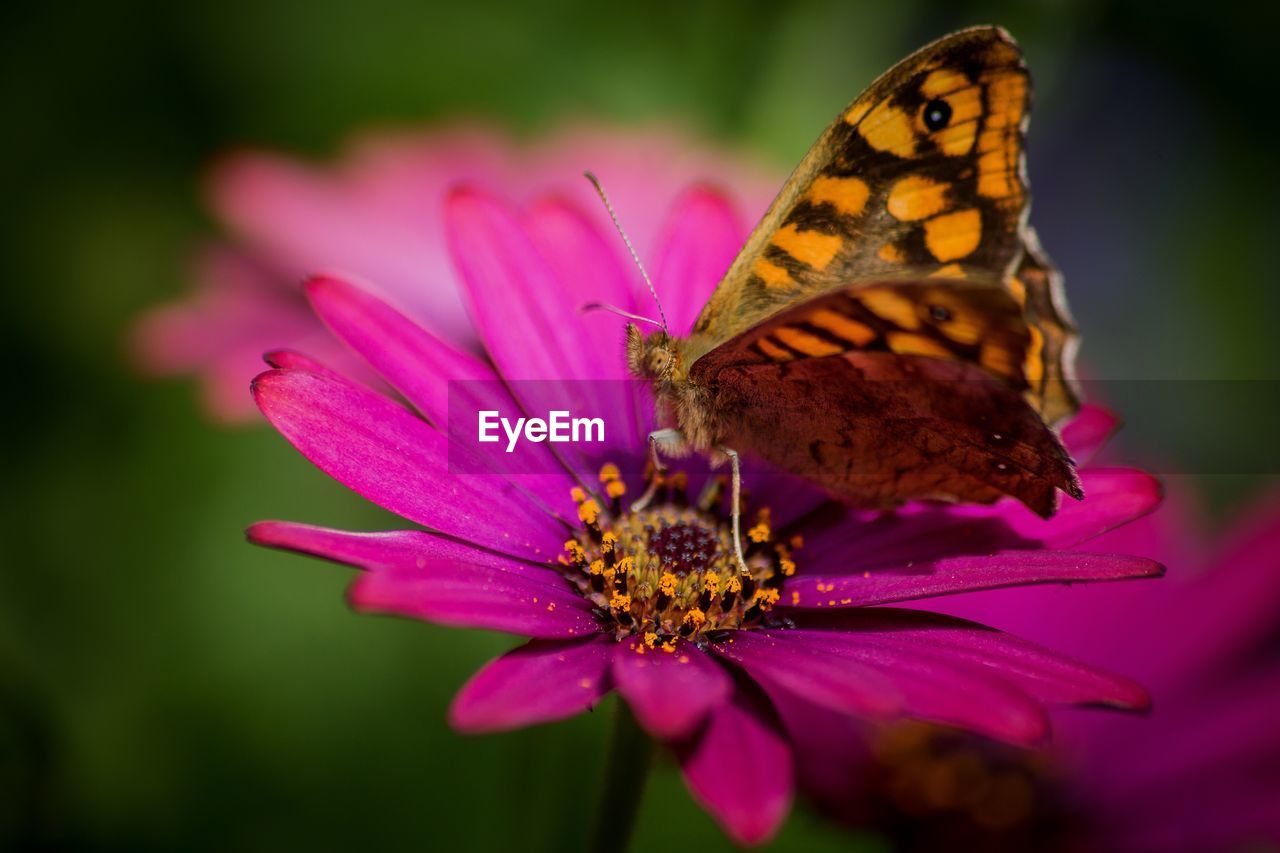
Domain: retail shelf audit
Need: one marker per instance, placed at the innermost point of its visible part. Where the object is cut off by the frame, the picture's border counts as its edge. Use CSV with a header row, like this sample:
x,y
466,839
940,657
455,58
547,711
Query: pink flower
x,y
650,604
1201,772
377,215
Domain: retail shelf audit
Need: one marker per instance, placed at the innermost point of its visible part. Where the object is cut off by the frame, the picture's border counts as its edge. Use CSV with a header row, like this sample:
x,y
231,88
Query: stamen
x,y
761,531
669,570
588,512
766,598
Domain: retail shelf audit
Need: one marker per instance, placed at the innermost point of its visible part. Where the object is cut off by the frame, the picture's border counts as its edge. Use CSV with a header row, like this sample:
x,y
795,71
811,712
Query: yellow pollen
x,y
667,572
577,494
797,541
766,598
615,488
608,472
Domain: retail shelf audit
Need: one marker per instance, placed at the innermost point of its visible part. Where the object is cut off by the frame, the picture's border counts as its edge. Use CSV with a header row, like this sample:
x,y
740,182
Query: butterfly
x,y
892,329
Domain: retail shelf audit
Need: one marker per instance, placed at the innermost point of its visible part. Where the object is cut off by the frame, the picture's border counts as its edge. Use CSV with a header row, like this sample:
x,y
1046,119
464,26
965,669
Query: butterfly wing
x,y
1037,287
878,428
891,390
968,320
924,171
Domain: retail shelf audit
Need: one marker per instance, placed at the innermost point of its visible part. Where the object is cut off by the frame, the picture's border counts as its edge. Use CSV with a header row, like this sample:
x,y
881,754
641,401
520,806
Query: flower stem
x,y
630,756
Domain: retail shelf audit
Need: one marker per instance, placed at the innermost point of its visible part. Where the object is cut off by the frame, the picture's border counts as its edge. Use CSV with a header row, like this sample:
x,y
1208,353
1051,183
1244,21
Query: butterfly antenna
x,y
614,309
595,182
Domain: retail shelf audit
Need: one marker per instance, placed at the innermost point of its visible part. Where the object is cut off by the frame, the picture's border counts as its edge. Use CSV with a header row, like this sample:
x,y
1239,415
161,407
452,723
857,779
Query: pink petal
x,y
1209,789
287,359
1052,616
376,448
474,596
592,270
435,377
1042,674
1113,496
1086,433
670,692
531,323
740,769
415,362
1199,817
935,685
847,541
541,681
390,549
963,574
308,219
1229,611
221,330
832,750
791,499
593,267
1219,732
699,241
840,684
839,540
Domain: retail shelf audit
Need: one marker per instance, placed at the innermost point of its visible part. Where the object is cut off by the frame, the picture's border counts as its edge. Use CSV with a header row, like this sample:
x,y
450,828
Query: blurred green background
x,y
165,686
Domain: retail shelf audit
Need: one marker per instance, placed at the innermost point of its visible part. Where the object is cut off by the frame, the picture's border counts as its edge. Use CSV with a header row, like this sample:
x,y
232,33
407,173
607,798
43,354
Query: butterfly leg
x,y
736,512
673,441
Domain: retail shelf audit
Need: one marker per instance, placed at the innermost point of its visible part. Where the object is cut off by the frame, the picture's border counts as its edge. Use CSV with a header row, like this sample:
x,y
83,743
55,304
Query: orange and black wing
x,y
964,320
923,172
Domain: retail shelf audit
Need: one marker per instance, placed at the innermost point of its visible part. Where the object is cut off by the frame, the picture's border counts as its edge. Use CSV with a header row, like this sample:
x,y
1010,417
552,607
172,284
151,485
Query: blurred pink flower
x,y
376,215
650,603
1201,772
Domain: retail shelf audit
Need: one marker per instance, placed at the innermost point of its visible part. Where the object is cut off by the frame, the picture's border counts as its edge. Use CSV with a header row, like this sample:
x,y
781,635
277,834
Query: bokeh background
x,y
165,686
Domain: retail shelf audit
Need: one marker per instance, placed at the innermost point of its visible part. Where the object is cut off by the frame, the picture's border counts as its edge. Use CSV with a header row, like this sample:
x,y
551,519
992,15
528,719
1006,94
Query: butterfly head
x,y
653,356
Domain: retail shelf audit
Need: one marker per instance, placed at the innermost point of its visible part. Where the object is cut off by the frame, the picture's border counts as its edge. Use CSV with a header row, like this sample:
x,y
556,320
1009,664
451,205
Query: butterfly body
x,y
891,329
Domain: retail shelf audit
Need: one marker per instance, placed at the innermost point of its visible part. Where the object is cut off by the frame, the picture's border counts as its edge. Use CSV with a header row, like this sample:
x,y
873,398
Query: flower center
x,y
668,570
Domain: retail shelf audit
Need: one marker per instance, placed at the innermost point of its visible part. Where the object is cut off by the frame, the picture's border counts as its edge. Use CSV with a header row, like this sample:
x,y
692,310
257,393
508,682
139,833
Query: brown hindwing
x,y
876,429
